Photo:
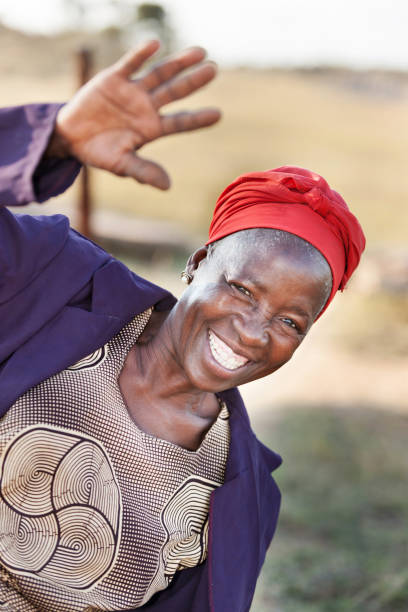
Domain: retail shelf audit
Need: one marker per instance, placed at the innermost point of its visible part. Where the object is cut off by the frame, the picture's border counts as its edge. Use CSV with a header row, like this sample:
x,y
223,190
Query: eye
x,y
291,323
241,289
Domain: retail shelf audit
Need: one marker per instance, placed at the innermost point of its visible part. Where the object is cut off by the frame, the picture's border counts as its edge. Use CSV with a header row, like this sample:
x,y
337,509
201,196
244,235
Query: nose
x,y
252,330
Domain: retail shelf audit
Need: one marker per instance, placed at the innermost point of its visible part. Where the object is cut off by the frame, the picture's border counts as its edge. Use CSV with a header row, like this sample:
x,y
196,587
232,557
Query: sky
x,y
356,33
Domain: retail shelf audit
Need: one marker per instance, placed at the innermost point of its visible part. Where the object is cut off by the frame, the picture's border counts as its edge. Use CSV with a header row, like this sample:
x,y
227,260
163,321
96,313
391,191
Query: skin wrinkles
x,y
261,303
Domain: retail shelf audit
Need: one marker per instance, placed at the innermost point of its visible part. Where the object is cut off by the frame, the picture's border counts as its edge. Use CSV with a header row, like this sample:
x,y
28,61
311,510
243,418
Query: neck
x,y
152,376
160,399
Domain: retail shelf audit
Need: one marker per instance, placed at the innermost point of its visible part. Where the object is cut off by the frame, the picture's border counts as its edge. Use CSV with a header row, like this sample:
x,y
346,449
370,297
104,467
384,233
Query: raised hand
x,y
113,115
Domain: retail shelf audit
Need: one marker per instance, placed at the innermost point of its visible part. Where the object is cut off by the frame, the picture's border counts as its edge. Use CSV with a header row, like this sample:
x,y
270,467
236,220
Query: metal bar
x,y
84,67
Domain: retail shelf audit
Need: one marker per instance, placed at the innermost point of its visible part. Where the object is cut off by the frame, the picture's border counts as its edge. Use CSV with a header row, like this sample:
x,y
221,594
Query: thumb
x,y
143,170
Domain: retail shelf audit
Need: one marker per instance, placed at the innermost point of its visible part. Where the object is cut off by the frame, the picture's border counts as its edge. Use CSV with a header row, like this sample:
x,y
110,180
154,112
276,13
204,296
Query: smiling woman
x,y
253,297
130,476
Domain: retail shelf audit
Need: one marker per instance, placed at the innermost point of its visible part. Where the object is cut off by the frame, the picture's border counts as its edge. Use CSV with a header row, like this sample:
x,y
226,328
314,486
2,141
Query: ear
x,y
195,259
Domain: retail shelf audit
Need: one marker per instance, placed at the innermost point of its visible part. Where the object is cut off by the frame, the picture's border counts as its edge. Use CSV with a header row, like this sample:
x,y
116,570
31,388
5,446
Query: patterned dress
x,y
96,514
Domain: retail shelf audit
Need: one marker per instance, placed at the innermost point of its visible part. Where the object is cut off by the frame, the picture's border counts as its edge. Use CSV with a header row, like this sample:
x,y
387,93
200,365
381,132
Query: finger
x,y
187,121
183,86
143,170
171,66
134,59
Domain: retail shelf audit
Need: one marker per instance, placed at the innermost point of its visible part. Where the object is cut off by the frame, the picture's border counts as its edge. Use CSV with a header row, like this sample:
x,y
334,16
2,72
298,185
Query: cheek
x,y
196,308
206,301
203,307
282,347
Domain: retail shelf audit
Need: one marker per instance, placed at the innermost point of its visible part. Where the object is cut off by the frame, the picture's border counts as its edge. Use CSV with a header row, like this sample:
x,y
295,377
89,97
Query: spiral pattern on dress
x,y
60,507
187,507
90,361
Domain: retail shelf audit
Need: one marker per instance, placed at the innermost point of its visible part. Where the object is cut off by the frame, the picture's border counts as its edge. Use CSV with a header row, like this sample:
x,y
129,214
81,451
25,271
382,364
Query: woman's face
x,y
245,313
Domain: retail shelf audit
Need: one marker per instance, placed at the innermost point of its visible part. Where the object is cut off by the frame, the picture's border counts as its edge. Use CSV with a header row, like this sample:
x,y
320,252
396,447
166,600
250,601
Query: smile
x,y
223,354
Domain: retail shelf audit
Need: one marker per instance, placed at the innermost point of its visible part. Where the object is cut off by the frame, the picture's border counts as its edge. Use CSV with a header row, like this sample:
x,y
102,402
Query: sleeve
x,y
28,245
24,175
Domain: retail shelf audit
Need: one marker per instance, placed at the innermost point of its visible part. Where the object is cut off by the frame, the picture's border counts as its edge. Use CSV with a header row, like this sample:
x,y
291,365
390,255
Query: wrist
x,y
57,147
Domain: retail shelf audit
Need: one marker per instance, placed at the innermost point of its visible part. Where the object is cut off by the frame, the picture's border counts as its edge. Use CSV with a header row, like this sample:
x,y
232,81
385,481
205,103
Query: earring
x,y
186,277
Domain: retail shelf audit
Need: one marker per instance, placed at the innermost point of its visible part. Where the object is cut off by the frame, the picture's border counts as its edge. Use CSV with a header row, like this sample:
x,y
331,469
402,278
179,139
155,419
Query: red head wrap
x,y
297,201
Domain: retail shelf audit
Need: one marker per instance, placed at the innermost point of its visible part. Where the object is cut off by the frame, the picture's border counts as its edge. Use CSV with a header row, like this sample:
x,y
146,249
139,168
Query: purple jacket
x,y
62,297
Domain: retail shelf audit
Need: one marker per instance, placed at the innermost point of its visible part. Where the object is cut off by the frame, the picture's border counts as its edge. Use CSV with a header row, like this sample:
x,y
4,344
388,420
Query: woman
x,y
130,477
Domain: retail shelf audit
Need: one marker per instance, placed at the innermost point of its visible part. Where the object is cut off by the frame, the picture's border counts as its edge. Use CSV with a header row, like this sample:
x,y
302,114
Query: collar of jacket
x,y
77,299
243,514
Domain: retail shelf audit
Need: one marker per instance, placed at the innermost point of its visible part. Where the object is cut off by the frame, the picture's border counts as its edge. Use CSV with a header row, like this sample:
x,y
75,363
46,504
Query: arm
x,y
24,175
104,124
42,263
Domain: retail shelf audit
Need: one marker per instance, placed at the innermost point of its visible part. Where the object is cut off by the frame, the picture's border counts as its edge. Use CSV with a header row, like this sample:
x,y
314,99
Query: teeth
x,y
223,354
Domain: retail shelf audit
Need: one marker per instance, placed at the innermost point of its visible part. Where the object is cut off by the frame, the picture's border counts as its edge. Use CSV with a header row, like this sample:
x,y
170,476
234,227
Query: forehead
x,y
266,268
260,250
285,270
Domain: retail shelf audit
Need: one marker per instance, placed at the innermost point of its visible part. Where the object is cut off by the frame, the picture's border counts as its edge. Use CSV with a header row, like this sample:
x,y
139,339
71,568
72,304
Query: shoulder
x,y
34,246
27,245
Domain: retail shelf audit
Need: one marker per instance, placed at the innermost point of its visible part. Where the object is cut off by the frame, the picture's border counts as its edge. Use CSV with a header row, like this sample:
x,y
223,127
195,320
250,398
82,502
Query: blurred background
x,y
317,84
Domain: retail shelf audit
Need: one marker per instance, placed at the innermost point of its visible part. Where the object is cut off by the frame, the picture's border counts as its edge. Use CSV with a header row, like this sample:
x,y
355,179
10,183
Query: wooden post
x,y
84,63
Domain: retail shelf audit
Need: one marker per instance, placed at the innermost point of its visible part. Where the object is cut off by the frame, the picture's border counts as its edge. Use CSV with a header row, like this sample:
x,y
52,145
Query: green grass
x,y
342,540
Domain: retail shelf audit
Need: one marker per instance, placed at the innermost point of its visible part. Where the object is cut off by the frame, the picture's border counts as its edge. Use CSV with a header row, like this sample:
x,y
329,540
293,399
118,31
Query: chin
x,y
203,384
212,384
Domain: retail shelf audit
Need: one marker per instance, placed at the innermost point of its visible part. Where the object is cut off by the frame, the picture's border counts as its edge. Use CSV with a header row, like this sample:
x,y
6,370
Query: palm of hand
x,y
116,117
113,116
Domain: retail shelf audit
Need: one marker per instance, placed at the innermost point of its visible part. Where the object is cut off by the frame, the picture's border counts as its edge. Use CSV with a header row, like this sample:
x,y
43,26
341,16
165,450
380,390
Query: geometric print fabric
x,y
96,514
